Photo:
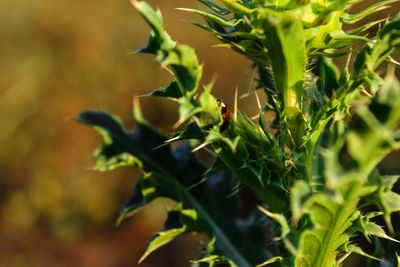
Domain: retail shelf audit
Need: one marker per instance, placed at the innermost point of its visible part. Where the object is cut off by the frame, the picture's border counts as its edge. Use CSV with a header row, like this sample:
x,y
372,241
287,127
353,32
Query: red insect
x,y
226,115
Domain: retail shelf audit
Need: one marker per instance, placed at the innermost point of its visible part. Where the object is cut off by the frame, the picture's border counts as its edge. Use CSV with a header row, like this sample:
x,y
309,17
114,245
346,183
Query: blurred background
x,y
57,59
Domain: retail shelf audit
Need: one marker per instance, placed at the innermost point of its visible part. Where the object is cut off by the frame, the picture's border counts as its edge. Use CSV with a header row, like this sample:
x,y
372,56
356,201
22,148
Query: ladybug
x,y
226,115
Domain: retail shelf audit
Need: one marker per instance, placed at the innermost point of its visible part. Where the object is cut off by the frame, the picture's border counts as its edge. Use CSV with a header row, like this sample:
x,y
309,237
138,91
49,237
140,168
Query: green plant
x,y
314,169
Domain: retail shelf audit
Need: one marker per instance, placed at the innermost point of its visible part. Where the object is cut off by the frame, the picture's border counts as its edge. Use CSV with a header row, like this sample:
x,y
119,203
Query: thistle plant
x,y
313,169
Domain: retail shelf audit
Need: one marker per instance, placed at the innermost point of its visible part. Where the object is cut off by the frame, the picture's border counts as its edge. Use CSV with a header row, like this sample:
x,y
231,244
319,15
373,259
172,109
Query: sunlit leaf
x,y
357,250
270,261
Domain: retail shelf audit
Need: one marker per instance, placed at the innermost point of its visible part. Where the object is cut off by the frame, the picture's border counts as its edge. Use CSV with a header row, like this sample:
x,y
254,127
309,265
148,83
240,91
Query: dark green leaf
x,y
172,91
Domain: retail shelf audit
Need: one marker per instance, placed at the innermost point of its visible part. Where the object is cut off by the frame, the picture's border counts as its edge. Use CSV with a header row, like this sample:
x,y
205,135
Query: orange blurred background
x,y
57,59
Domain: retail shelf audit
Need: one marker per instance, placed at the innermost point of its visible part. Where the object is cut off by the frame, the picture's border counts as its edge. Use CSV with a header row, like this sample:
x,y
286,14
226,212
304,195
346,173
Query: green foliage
x,y
294,166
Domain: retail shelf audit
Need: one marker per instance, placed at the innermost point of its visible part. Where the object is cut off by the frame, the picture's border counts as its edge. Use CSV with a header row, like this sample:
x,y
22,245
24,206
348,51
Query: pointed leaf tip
x,y
270,261
160,239
279,218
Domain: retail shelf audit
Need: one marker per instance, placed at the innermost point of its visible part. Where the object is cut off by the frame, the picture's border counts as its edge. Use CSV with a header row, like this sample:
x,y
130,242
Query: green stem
x,y
344,212
222,242
294,119
309,157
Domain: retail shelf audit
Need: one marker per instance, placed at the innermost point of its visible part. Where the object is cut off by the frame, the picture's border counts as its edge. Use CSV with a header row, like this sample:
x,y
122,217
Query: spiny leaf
x,y
215,7
368,228
210,109
180,59
215,260
171,91
213,17
280,219
353,18
191,131
383,196
371,228
107,162
371,57
331,219
215,136
356,249
393,201
187,110
109,155
365,26
154,19
169,174
270,261
109,126
185,66
179,222
373,127
235,6
149,187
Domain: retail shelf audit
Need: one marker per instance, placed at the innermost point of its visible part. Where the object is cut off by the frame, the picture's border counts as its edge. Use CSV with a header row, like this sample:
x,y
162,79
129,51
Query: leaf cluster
x,y
311,201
